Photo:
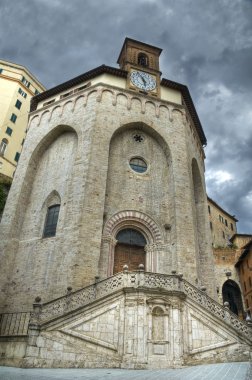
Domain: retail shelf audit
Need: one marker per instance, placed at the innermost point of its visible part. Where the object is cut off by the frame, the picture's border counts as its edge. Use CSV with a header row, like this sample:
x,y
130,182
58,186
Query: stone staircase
x,y
12,324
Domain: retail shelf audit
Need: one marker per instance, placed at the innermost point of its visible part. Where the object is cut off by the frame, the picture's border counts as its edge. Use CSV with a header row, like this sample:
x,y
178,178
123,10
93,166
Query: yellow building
x,y
17,87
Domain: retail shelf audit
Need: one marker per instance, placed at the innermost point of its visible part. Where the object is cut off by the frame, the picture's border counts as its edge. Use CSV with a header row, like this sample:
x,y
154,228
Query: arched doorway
x,y
231,293
129,250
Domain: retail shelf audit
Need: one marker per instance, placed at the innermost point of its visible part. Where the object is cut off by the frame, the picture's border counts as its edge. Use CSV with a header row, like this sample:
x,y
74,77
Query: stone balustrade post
x,y
34,328
125,276
141,276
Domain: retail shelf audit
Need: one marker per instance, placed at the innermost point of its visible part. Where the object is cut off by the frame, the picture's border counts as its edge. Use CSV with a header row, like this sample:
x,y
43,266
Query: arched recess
x,y
148,193
30,174
199,216
129,219
231,293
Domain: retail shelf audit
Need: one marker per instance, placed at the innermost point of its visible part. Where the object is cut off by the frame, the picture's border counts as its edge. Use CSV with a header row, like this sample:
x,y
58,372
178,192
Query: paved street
x,y
230,371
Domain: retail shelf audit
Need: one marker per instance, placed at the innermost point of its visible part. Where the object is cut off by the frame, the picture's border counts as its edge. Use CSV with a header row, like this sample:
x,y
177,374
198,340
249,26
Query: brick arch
x,y
136,219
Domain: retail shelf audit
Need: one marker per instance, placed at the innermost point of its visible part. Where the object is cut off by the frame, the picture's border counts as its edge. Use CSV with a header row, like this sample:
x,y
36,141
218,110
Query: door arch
x,y
129,250
231,293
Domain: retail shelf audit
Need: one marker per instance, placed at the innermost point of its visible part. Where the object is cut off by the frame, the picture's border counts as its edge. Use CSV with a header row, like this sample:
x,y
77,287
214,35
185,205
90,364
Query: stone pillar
x,y
106,262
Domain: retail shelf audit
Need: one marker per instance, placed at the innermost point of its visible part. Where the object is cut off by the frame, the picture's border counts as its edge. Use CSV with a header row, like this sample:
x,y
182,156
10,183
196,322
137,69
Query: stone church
x,y
106,257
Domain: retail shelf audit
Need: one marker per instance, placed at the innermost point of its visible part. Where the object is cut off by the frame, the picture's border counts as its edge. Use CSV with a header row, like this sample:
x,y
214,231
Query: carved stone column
x,y
106,262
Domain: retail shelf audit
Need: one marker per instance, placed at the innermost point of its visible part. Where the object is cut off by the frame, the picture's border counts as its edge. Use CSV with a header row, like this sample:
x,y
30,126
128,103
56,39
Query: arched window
x,y
142,60
3,146
51,221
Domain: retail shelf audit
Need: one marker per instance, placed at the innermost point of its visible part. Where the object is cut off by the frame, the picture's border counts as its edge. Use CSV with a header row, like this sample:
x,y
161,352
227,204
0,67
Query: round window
x,y
138,165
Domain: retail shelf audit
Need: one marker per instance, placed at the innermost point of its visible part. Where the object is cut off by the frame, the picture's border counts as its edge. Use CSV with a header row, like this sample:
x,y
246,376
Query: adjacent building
x,y
222,225
244,267
17,87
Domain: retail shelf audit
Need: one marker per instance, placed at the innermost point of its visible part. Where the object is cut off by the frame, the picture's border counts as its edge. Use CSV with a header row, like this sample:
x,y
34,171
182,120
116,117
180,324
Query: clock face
x,y
143,80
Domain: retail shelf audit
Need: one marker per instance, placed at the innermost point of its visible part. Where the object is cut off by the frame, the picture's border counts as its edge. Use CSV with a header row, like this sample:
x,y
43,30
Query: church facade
x,y
105,239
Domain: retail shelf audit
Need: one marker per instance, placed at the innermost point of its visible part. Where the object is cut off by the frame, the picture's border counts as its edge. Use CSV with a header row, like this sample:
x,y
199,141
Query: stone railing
x,y
14,324
215,308
73,301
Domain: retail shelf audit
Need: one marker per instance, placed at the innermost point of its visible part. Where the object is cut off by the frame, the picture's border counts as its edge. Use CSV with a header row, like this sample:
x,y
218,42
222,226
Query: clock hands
x,y
142,78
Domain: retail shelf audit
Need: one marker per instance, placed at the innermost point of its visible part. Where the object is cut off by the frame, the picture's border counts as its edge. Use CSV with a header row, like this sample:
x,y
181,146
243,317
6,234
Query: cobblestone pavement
x,y
230,371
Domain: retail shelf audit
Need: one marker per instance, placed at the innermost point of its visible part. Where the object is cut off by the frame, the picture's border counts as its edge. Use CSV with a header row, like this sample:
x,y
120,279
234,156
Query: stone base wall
x,y
132,328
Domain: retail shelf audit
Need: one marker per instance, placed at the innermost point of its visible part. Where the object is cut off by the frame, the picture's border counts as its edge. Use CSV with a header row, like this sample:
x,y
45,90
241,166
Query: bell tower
x,y
142,63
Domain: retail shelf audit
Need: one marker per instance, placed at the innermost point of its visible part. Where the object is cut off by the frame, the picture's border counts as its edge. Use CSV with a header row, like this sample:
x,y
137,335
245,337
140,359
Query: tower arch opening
x,y
231,293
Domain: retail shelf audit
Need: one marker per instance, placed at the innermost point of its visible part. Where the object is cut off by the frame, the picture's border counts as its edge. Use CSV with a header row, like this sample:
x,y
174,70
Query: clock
x,y
143,80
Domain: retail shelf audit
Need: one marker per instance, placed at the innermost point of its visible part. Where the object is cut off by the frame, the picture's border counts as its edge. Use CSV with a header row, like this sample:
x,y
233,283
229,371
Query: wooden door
x,y
127,254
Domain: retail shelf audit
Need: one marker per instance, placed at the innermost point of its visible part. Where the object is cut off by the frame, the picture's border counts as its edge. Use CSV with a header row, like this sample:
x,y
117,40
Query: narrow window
x,y
18,104
51,221
223,234
17,155
22,93
1,70
220,218
3,146
209,210
226,223
245,288
36,92
13,118
211,225
26,82
9,131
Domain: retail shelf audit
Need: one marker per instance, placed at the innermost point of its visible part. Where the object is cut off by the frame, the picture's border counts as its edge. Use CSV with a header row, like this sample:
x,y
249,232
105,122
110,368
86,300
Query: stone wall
x,y
84,140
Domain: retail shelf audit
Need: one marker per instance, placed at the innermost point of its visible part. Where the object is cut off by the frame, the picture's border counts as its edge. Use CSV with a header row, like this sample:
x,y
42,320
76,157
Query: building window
x,y
142,60
13,118
211,225
3,146
51,221
223,234
18,104
26,82
138,165
1,70
17,155
22,93
220,218
232,227
209,210
226,223
245,288
36,92
8,131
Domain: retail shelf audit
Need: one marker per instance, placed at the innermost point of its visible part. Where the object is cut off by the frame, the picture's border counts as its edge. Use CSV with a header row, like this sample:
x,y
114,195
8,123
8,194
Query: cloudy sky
x,y
207,45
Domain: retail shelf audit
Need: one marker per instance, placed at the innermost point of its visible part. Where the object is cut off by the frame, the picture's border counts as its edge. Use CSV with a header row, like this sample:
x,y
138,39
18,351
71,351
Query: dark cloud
x,y
207,45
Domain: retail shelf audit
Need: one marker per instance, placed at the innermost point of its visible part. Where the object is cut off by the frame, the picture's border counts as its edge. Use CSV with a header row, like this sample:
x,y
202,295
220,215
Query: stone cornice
x,y
103,69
